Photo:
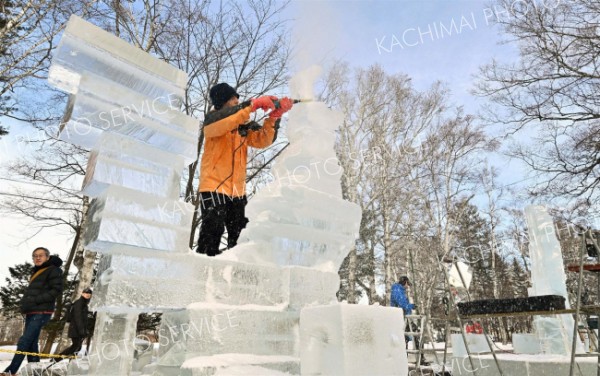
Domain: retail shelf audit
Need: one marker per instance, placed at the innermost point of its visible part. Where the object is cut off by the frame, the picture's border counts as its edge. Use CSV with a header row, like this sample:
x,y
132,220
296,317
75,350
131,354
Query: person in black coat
x,y
78,328
37,304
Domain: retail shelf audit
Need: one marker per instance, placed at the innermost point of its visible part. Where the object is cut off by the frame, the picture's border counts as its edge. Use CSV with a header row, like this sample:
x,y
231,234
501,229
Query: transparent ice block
x,y
350,339
87,48
121,220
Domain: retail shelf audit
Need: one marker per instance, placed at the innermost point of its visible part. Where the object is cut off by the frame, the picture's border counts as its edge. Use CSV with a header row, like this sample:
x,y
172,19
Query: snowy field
x,y
6,357
504,351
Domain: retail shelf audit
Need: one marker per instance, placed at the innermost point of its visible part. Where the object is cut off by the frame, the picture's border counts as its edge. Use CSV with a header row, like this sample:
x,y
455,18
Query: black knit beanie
x,y
220,94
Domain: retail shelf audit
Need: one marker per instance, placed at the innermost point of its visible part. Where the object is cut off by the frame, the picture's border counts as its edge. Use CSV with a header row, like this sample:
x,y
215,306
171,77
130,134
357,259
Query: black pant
x,y
412,327
76,343
219,212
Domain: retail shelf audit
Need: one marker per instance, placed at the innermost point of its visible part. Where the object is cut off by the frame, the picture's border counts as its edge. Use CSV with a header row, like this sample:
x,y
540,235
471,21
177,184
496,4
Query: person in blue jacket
x,y
399,298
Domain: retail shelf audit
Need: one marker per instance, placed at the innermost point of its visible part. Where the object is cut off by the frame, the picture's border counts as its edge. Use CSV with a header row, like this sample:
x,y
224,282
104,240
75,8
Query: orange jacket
x,y
223,167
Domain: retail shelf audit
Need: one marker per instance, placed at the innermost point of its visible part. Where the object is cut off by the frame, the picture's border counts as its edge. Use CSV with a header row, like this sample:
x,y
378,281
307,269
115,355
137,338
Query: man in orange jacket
x,y
228,133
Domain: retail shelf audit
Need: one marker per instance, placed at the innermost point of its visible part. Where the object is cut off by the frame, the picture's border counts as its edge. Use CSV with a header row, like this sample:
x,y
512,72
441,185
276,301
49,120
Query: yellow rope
x,y
39,354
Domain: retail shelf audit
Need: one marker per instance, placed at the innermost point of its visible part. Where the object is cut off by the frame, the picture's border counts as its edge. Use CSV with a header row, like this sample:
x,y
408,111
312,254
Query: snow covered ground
x,y
503,352
5,357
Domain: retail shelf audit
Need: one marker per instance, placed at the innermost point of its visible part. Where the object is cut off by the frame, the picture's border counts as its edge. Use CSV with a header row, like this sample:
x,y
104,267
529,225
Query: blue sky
x,y
348,30
427,47
362,33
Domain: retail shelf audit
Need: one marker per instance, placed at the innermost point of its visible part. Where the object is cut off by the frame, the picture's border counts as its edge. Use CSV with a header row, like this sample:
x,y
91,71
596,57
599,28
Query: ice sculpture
x,y
236,313
548,278
124,107
248,319
300,218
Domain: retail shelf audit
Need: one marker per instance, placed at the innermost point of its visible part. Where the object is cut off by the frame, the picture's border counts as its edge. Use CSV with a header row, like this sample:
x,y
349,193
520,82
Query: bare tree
x,y
515,234
555,88
450,155
493,192
566,161
56,171
407,160
28,31
138,22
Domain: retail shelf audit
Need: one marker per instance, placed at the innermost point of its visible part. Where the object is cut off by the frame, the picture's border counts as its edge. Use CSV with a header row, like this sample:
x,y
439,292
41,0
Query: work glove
x,y
265,103
250,126
285,104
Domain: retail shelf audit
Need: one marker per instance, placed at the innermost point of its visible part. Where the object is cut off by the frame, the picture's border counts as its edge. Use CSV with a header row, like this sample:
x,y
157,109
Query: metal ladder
x,y
587,235
423,331
412,322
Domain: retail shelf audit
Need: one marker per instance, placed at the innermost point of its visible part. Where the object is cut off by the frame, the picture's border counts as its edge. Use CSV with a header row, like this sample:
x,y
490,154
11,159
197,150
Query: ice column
x,y
548,278
113,339
124,107
300,218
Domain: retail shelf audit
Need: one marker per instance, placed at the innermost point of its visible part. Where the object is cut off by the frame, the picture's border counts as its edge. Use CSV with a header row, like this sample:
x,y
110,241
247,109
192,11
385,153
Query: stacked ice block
x,y
124,107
